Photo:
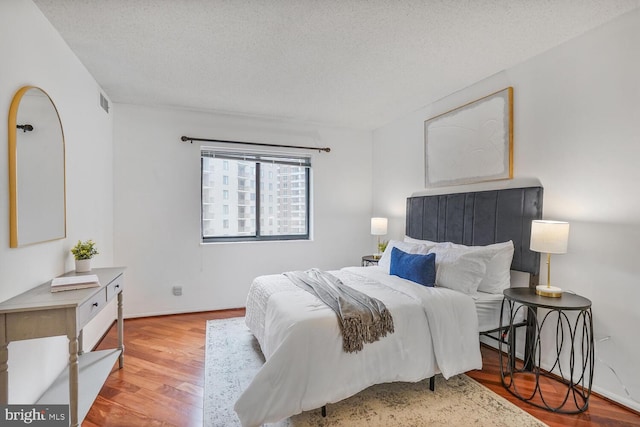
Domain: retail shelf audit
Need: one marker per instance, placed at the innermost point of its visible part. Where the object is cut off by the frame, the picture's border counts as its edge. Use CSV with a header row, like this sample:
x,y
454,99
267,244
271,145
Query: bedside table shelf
x,y
369,260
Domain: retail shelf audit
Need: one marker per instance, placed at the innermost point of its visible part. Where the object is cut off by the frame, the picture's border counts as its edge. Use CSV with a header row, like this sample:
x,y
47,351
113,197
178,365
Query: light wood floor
x,y
162,381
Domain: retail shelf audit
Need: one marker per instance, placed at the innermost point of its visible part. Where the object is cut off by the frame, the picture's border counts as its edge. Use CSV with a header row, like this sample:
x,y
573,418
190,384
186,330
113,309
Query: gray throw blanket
x,y
362,319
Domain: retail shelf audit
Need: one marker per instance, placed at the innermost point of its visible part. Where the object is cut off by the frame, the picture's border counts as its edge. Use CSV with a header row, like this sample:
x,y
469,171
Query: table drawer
x,y
92,307
115,287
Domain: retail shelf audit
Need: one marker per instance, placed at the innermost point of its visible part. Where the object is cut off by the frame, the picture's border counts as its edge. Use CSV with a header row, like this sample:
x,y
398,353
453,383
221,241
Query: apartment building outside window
x,y
250,196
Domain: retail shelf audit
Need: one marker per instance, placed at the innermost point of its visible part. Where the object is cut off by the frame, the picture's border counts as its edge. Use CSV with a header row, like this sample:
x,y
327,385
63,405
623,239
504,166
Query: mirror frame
x,y
13,169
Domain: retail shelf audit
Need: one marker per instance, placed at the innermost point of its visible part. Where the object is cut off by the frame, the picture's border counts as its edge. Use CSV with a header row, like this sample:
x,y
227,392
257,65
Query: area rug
x,y
233,357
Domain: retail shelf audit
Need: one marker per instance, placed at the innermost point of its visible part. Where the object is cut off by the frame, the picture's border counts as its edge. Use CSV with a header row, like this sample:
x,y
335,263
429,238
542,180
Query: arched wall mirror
x,y
36,169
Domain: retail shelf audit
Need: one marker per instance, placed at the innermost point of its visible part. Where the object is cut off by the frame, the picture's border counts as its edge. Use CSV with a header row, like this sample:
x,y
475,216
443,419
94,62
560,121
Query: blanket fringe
x,y
355,333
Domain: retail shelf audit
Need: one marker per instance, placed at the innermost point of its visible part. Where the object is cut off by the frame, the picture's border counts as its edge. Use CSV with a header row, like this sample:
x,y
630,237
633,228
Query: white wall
x,y
577,121
577,128
157,208
33,53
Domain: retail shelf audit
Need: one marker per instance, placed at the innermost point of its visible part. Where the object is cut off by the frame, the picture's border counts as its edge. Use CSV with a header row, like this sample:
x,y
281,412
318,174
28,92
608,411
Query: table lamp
x,y
378,228
550,237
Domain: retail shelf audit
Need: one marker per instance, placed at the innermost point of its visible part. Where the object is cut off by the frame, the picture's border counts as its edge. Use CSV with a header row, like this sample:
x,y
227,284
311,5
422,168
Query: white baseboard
x,y
617,398
170,312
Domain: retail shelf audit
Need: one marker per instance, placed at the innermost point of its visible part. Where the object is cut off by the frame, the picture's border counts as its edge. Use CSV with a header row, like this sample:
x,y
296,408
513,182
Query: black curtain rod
x,y
188,138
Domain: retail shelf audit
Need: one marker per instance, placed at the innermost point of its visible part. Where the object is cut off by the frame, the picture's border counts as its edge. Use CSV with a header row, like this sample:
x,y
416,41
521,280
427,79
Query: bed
x,y
436,328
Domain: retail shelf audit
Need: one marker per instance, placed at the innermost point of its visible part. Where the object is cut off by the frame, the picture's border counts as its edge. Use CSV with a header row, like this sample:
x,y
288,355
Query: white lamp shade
x,y
551,237
378,226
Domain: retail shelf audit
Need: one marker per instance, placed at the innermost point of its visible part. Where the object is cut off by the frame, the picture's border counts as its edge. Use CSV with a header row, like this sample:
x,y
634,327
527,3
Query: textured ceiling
x,y
350,63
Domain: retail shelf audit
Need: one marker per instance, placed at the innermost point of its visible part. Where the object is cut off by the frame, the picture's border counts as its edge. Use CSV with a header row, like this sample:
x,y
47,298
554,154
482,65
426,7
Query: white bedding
x,y
436,330
488,309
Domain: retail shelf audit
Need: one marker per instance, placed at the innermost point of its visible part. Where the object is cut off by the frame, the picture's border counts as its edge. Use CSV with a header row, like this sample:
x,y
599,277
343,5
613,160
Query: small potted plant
x,y
83,252
382,246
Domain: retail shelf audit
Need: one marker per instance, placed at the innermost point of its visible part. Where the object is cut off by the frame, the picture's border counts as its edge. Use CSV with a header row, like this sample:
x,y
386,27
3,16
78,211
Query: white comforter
x,y
436,330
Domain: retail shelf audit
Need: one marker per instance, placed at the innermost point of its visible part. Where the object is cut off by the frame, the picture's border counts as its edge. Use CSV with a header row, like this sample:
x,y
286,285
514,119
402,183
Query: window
x,y
245,180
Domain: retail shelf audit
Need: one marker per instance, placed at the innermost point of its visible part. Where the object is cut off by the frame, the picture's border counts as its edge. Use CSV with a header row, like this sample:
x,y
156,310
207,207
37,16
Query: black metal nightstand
x,y
369,260
570,317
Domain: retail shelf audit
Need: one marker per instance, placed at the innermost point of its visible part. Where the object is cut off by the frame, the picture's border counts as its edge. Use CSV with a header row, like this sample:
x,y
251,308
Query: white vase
x,y
83,265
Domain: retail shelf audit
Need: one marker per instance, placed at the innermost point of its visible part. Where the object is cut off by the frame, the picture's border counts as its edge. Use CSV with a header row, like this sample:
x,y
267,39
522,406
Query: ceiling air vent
x,y
104,103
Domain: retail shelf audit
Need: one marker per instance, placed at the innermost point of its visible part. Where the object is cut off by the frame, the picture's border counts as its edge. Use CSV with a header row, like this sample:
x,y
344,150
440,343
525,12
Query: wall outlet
x,y
177,290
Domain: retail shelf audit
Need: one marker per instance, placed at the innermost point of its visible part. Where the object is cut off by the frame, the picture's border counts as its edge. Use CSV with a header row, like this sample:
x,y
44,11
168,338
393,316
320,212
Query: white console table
x,y
39,313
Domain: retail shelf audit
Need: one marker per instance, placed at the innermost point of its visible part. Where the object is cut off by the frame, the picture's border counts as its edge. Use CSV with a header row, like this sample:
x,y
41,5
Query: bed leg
x,y
432,383
324,411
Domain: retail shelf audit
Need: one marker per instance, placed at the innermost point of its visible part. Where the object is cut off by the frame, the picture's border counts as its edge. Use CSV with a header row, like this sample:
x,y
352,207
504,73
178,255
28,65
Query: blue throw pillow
x,y
415,267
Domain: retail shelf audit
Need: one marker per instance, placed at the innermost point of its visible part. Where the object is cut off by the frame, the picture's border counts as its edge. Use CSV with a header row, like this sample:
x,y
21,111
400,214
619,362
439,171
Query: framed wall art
x,y
472,143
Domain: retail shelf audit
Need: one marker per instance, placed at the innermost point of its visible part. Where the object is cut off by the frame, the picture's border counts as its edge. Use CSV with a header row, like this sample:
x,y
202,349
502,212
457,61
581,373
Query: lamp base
x,y
549,291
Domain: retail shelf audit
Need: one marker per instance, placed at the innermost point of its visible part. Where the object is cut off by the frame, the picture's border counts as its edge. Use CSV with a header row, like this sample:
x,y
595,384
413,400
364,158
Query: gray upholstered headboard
x,y
481,214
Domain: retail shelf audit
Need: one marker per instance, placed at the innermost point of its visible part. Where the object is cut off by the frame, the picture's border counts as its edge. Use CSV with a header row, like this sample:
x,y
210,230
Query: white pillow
x,y
460,269
429,243
410,248
498,275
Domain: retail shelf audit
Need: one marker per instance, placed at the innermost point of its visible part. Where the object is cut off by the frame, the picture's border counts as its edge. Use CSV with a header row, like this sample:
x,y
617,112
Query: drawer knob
x,y
95,304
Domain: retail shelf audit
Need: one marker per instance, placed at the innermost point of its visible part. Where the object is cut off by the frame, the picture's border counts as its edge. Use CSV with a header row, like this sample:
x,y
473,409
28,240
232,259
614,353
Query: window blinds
x,y
253,157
